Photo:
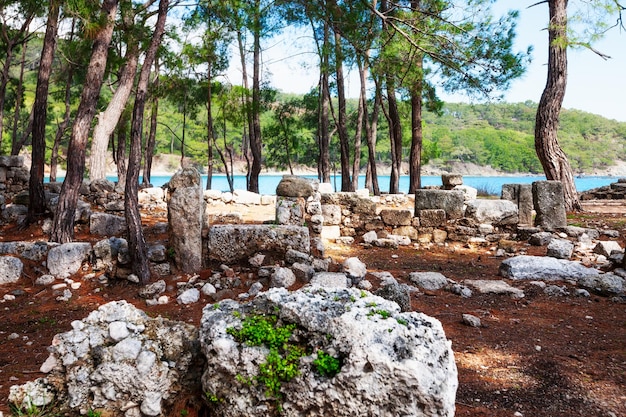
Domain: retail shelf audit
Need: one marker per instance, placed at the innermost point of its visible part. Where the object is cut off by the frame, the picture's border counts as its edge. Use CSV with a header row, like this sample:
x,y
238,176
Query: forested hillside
x,y
499,135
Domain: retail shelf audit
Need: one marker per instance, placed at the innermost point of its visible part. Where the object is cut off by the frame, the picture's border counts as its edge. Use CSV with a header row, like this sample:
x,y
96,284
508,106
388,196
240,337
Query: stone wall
x,y
13,175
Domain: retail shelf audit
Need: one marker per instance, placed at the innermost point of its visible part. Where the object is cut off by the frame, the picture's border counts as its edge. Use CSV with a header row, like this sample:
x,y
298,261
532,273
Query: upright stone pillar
x,y
549,203
522,195
298,204
184,214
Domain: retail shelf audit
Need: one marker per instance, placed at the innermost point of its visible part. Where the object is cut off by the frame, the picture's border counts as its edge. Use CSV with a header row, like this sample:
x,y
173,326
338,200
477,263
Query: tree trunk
x,y
15,148
36,196
209,129
356,163
136,241
151,142
63,224
324,111
246,139
255,133
395,137
415,160
108,119
11,40
120,153
4,82
371,129
554,161
342,130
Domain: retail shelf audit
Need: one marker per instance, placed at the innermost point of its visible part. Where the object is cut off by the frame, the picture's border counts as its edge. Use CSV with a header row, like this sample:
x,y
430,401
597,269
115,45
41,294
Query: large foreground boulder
x,y
386,363
117,359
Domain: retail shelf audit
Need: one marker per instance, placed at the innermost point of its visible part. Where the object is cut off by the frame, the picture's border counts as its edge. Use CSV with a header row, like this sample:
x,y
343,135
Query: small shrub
x,y
327,365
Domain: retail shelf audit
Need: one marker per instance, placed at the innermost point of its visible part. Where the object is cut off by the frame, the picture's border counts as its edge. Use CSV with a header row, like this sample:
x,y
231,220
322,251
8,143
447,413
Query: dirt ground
x,y
537,356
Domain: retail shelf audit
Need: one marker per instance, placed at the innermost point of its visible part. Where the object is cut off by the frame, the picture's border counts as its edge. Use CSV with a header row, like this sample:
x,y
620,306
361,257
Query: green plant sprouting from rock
x,y
282,362
326,364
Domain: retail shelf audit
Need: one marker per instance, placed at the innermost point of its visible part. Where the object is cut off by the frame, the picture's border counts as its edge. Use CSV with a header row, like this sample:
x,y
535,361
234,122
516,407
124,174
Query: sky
x,y
594,85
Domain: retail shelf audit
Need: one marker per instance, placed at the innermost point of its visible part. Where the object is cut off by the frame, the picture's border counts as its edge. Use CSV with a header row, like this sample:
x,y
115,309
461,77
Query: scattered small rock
x,y
471,320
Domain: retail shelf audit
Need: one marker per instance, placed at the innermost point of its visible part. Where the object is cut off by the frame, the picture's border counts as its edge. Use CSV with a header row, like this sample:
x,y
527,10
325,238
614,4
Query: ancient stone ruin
x,y
385,359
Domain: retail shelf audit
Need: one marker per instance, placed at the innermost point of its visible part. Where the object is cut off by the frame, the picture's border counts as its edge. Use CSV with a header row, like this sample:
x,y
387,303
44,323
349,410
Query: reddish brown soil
x,y
539,356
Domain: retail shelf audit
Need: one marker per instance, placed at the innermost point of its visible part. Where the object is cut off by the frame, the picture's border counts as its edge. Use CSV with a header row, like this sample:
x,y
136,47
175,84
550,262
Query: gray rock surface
x,y
549,204
496,212
471,320
487,286
104,224
189,296
544,268
232,243
522,195
283,278
449,201
354,268
430,281
606,284
606,247
392,363
330,280
293,186
540,238
116,359
560,249
396,217
10,269
184,213
34,251
66,259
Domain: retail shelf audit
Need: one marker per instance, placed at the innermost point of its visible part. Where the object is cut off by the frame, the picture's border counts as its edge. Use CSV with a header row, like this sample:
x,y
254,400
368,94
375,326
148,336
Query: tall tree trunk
x,y
342,130
11,39
15,149
120,153
395,137
108,119
63,224
371,128
151,142
415,160
4,82
255,133
362,109
54,157
136,241
209,129
554,161
36,196
245,102
324,111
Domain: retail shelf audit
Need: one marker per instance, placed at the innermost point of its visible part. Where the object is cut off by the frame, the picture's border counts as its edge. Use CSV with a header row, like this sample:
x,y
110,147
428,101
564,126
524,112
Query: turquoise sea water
x,y
268,183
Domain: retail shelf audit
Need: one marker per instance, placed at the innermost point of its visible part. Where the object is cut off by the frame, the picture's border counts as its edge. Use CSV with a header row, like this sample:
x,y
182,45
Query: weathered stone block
x,y
396,217
451,180
332,214
522,195
431,217
231,243
293,186
549,203
185,209
449,201
497,212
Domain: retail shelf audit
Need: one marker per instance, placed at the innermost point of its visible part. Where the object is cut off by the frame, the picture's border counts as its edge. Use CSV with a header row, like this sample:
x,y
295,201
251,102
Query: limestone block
x,y
450,201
